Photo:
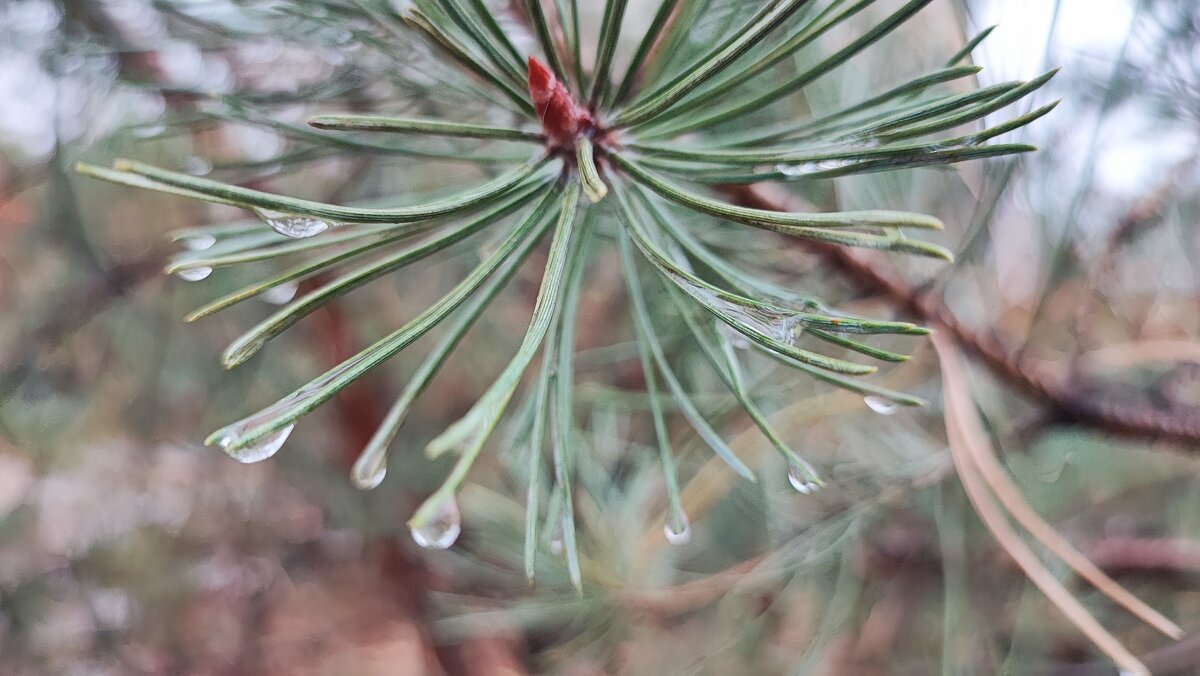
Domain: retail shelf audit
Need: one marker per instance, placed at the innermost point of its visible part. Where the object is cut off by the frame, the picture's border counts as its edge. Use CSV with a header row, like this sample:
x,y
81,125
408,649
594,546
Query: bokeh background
x,y
127,547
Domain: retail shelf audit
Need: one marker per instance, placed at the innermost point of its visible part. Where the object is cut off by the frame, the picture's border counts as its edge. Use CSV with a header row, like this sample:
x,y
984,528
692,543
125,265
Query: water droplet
x,y
368,471
199,241
802,169
149,130
288,408
806,168
281,294
826,165
194,274
803,478
197,166
292,225
259,450
442,530
555,543
682,536
881,405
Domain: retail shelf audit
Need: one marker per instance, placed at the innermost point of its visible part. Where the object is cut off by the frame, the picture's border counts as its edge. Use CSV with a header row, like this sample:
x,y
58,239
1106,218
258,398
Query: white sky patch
x,y
1133,147
26,105
1137,152
1017,48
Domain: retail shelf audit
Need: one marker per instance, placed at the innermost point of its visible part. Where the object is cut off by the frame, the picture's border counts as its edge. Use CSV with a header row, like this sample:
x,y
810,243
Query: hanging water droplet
x,y
194,274
286,409
680,535
555,543
199,241
293,225
281,294
881,405
442,530
803,479
260,450
368,471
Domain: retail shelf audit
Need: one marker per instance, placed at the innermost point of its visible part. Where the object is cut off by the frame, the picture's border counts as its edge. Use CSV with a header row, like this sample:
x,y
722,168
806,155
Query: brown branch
x,y
1128,414
1178,658
1146,555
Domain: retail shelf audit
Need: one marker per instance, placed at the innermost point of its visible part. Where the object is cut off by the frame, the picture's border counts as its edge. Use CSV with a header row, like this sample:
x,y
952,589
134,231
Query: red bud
x,y
562,118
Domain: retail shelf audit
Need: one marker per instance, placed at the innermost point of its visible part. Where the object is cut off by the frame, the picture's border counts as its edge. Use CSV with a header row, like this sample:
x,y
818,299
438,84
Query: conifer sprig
x,y
618,137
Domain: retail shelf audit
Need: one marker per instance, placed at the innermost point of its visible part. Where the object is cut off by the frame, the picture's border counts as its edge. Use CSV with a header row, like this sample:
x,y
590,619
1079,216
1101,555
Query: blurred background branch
x,y
1069,399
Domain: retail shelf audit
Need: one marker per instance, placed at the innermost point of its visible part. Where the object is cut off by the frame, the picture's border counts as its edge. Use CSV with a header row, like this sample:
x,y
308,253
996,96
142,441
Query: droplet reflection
x,y
442,530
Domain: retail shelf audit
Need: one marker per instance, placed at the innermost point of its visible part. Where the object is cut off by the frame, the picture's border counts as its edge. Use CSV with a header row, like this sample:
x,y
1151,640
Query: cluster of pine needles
x,y
642,162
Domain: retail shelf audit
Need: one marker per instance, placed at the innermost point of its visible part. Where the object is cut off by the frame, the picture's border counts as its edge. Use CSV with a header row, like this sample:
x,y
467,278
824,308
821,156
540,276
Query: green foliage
x,y
670,126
